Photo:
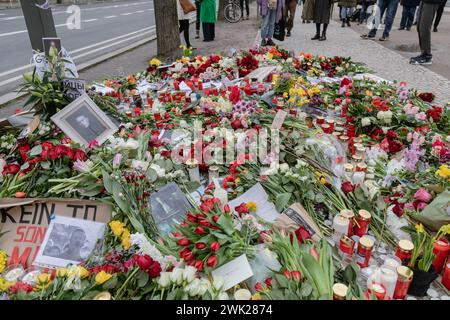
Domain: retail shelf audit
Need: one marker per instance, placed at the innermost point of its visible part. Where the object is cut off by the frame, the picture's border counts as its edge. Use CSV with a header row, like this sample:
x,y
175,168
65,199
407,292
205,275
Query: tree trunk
x,y
167,33
222,5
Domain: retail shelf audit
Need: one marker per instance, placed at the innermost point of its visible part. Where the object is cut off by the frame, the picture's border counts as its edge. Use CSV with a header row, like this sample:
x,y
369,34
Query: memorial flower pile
x,y
304,176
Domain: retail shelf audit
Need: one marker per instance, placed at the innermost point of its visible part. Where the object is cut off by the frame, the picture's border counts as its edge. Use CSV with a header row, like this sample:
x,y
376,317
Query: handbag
x,y
187,6
280,30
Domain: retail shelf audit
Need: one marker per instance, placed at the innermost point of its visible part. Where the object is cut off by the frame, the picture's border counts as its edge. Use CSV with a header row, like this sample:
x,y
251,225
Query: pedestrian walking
x,y
271,12
247,8
322,14
439,13
289,14
347,9
308,11
365,4
390,8
428,9
408,13
197,21
183,19
208,19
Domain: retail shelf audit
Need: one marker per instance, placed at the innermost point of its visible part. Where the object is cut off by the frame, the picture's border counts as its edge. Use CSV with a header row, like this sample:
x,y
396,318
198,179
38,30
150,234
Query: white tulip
x,y
177,275
189,274
223,296
218,283
194,288
242,294
164,279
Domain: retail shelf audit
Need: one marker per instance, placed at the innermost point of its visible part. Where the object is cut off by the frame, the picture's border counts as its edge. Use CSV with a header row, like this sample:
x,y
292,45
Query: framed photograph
x,y
83,121
68,241
51,43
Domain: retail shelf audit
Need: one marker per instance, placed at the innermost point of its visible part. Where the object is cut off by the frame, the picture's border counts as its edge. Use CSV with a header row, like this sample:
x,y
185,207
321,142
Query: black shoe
x,y
270,42
415,23
197,35
434,29
316,37
263,43
288,34
384,38
401,28
343,24
408,28
323,37
348,23
422,60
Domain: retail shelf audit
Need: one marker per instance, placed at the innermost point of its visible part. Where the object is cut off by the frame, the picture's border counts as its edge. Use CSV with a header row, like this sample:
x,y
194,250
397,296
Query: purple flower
x,y
117,159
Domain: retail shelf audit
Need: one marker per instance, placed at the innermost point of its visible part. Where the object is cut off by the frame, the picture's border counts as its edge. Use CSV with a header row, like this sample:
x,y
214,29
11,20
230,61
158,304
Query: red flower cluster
x,y
11,169
389,144
347,187
147,264
242,209
247,64
426,96
20,286
434,113
108,268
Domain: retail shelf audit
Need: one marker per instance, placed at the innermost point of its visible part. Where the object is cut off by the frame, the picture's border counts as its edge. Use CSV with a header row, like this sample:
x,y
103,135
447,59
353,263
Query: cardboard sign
x,y
234,272
32,125
25,222
296,216
73,88
261,73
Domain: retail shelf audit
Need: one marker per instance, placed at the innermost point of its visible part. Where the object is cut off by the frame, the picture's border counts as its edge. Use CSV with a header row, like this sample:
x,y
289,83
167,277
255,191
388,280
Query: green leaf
x,y
107,182
37,150
152,175
226,222
111,283
142,279
45,165
282,200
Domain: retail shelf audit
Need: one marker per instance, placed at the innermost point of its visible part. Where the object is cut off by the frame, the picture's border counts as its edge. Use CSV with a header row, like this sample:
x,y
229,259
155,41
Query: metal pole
x,y
39,22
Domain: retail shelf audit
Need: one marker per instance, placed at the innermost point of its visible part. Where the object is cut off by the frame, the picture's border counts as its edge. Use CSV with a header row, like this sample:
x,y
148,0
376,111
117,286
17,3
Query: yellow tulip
x,y
102,277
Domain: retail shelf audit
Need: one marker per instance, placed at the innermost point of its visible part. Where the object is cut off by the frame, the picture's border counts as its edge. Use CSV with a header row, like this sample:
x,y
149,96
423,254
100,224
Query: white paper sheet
x,y
234,272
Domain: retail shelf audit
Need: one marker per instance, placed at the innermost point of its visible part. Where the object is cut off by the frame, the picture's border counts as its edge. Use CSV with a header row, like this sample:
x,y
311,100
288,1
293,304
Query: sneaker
x,y
384,38
434,29
421,60
316,37
401,28
270,42
263,43
366,36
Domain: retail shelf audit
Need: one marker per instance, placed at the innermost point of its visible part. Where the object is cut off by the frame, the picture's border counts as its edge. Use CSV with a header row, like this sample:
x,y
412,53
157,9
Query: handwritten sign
x,y
73,88
40,62
25,222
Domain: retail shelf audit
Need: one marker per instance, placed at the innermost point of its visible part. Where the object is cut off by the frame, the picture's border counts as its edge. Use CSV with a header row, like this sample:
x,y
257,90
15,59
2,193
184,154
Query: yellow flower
x,y
443,172
126,239
285,94
43,281
61,272
102,277
419,228
269,56
251,206
3,260
256,296
4,284
155,62
237,181
82,272
445,229
117,227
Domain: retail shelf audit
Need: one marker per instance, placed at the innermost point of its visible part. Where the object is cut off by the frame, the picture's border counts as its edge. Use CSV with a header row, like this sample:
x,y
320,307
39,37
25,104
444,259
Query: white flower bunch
x,y
385,116
227,63
365,122
160,172
121,144
43,129
146,248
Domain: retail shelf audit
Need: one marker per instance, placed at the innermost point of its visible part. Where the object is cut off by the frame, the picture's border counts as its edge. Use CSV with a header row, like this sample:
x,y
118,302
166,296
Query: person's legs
x,y
206,32
439,13
382,5
213,31
324,32
410,17
362,14
265,27
271,28
247,7
390,16
417,15
292,7
317,36
424,27
197,22
404,18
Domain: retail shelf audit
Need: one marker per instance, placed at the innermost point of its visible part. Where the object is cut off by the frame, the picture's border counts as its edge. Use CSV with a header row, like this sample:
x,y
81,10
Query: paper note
x,y
234,272
184,87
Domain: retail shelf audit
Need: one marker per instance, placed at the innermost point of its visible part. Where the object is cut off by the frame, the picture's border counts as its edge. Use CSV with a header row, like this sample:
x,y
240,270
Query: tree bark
x,y
221,6
167,32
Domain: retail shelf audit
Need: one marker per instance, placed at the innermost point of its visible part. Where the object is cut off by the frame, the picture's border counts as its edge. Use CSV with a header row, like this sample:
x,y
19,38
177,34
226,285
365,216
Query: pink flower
x,y
410,109
423,195
421,116
421,206
409,206
117,159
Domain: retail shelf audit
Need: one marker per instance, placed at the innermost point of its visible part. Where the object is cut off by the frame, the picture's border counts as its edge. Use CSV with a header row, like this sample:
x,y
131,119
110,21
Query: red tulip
x,y
347,187
215,218
199,230
215,246
184,242
200,245
259,287
199,265
144,262
296,275
191,218
268,281
212,261
287,274
204,222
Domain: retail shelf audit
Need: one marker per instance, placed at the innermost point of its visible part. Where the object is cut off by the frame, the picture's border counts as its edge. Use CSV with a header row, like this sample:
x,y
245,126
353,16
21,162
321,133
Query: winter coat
x,y
308,10
181,14
208,12
347,3
322,11
410,3
264,8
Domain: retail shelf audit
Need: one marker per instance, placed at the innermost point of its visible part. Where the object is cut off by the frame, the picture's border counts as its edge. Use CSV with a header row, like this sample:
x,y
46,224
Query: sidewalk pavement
x,y
381,60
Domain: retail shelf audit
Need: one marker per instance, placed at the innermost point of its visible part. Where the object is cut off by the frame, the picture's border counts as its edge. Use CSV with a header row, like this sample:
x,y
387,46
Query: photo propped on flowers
x,y
84,122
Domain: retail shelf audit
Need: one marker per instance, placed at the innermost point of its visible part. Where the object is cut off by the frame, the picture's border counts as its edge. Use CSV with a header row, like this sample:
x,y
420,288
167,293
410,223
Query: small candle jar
x,y
213,173
340,226
351,130
446,276
309,122
320,120
361,167
440,249
362,222
404,279
350,215
326,128
357,140
389,281
330,122
392,263
194,173
378,290
346,247
340,291
357,159
336,134
404,251
364,251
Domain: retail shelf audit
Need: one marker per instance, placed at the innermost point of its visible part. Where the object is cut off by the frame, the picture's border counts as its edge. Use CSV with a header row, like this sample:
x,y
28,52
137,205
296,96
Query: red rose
x,y
11,169
347,187
268,282
144,262
199,265
259,287
128,265
398,209
154,270
236,124
199,230
184,242
212,261
23,149
215,246
200,245
426,96
434,113
242,209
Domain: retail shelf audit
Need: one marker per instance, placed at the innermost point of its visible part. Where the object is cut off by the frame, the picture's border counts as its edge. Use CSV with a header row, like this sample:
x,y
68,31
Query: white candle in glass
x,y
194,172
392,263
389,280
340,226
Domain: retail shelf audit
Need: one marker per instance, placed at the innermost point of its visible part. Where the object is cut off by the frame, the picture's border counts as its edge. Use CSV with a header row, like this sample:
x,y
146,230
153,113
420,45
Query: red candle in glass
x,y
362,222
364,251
404,251
331,124
350,216
446,276
320,120
326,128
441,249
378,290
347,245
351,131
404,280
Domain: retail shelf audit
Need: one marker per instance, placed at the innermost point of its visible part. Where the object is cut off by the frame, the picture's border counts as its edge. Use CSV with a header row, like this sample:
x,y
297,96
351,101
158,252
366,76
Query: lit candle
x,y
213,173
194,173
441,249
389,280
339,291
340,226
446,276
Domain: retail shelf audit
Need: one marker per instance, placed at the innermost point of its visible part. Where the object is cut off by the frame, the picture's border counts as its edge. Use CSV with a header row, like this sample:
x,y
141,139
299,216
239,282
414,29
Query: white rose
x,y
164,279
189,274
365,122
242,294
131,144
284,167
139,165
223,296
177,275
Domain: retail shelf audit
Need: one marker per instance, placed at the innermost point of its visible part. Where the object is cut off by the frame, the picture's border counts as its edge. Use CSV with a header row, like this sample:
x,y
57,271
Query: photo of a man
x,y
51,43
86,124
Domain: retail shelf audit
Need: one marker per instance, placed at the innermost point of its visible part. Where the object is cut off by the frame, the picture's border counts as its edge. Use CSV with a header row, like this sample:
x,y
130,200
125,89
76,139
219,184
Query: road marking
x,y
110,17
11,33
140,11
89,20
126,14
141,32
10,18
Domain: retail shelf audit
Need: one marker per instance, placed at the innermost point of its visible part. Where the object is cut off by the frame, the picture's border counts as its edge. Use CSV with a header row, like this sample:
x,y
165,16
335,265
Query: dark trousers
x,y
390,8
247,7
197,22
289,14
425,21
439,13
407,17
363,13
184,27
209,31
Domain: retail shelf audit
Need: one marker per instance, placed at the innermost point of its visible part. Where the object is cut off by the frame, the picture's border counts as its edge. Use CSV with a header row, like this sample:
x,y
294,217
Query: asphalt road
x,y
105,27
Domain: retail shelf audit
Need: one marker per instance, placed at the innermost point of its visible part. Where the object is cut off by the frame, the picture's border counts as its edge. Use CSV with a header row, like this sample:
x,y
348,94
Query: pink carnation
x,y
423,195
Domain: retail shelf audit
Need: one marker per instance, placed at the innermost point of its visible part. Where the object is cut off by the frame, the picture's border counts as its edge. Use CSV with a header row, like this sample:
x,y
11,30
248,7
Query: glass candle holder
x,y
350,215
320,120
364,251
446,276
340,291
440,249
213,173
362,222
340,226
194,172
404,279
404,251
389,281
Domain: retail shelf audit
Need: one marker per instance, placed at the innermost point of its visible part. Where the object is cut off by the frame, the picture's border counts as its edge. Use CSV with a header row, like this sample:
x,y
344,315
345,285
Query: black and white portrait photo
x,y
49,43
68,241
84,122
169,205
